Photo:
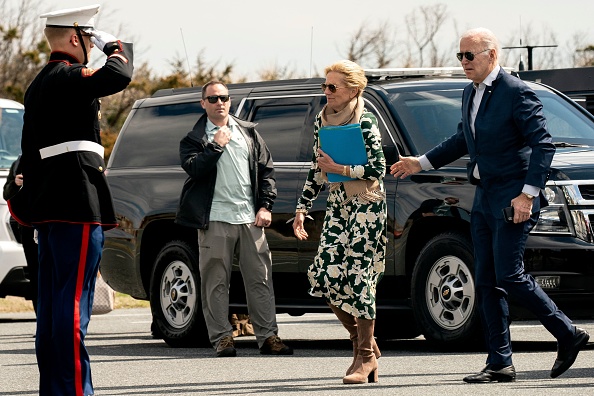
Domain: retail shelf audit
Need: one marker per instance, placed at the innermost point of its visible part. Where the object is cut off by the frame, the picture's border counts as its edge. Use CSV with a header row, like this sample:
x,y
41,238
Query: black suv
x,y
428,285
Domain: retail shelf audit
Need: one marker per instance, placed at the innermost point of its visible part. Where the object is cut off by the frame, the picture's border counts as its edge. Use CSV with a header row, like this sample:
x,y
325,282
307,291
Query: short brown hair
x,y
354,74
212,82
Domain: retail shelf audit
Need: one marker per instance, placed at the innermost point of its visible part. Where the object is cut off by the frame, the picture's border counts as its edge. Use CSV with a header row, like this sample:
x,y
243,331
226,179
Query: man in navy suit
x,y
503,129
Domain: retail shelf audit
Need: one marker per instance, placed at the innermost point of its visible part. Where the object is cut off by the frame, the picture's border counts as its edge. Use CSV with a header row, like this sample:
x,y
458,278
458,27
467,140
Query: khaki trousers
x,y
217,246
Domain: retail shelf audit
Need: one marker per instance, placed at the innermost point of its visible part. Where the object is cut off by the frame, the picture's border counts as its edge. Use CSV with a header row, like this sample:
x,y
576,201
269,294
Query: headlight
x,y
554,217
569,212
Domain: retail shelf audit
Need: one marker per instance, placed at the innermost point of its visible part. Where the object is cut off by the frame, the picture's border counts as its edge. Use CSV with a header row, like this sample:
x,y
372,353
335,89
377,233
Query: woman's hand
x,y
327,164
298,228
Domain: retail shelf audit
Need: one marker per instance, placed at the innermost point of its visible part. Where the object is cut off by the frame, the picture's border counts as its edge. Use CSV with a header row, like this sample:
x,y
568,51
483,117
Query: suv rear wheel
x,y
175,296
443,291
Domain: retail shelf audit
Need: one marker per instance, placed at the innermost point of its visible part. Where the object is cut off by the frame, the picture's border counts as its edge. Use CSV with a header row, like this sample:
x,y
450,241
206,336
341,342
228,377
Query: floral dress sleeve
x,y
314,182
375,169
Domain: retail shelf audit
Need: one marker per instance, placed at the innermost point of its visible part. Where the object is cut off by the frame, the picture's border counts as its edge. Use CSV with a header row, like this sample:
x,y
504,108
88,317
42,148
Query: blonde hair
x,y
354,75
55,34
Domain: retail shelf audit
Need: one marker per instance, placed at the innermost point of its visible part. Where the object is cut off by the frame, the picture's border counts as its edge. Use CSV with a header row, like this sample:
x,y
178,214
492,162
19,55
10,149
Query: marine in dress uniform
x,y
66,196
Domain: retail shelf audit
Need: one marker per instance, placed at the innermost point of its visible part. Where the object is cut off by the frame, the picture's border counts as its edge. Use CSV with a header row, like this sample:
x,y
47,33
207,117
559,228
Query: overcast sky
x,y
306,35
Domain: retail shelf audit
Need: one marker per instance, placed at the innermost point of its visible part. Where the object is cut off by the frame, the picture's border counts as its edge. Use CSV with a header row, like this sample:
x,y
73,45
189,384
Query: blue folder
x,y
345,145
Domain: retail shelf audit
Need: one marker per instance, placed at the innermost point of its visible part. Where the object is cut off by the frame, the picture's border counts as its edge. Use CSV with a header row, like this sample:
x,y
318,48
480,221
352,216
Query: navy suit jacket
x,y
512,145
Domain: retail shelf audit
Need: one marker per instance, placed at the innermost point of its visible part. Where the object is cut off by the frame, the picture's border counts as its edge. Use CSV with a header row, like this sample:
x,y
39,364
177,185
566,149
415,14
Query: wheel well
x,y
155,236
423,230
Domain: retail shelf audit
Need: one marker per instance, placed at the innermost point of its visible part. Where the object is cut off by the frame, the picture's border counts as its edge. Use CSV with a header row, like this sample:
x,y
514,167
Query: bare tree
x,y
23,49
372,46
580,51
423,24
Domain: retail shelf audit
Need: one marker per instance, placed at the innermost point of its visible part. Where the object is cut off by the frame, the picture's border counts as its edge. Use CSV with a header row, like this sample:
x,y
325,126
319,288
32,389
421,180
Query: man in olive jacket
x,y
228,197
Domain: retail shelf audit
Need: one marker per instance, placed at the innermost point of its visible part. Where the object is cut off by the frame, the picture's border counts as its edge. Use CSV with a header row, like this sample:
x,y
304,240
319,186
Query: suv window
x,y
430,117
277,125
11,126
156,132
285,124
433,116
564,123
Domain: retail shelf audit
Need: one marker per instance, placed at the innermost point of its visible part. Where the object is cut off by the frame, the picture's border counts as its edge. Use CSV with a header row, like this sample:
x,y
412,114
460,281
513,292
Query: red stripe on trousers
x,y
82,261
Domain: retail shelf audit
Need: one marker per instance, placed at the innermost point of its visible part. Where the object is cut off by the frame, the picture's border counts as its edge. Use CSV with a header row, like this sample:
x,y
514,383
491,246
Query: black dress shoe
x,y
567,353
489,374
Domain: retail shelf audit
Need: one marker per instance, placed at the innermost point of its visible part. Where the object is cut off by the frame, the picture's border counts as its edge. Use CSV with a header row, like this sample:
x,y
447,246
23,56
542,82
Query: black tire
x,y
443,292
175,297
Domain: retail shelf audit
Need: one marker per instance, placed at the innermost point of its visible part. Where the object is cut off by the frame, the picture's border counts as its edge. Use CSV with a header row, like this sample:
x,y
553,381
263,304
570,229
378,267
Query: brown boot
x,y
366,365
349,323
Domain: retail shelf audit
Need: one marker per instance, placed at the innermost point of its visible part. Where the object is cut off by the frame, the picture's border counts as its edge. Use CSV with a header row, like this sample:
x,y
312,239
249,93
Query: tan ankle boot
x,y
365,368
349,323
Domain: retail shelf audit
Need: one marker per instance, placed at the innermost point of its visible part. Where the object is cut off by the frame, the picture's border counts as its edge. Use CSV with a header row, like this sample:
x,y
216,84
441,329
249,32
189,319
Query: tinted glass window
x,y
153,135
11,129
430,117
564,122
281,127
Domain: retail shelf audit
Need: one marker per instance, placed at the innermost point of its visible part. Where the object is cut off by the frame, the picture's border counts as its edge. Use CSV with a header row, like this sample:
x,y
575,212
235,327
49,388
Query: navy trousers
x,y
69,257
499,273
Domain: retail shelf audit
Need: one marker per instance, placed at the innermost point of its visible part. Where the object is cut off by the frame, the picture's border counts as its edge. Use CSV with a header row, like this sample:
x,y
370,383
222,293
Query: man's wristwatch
x,y
529,196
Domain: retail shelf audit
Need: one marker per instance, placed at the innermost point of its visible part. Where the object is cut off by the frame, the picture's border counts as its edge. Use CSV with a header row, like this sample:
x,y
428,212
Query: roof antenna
x,y
521,66
187,59
311,52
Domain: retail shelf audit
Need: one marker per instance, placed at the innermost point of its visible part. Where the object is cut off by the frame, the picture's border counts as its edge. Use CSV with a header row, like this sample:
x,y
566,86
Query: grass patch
x,y
19,304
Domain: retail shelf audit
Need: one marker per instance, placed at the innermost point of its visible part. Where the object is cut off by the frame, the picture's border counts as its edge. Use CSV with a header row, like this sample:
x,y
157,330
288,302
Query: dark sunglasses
x,y
215,98
469,55
331,87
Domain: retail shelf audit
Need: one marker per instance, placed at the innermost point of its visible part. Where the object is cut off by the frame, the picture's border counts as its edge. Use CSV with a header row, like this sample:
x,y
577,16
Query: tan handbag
x,y
104,299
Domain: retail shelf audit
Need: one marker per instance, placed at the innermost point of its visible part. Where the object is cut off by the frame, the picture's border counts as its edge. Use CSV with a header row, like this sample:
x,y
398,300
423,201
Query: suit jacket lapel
x,y
488,93
467,97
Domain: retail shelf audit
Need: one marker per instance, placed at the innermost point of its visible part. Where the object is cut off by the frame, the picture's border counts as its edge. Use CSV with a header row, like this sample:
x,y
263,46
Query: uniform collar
x,y
63,56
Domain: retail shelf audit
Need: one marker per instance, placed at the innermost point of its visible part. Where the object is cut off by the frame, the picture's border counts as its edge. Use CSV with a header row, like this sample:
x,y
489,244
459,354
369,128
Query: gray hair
x,y
483,36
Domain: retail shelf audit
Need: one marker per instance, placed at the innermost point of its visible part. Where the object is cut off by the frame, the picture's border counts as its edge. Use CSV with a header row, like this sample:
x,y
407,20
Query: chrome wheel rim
x,y
450,292
177,294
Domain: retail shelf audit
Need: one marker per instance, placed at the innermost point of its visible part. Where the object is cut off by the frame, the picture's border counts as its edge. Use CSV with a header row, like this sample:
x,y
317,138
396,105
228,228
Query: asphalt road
x,y
126,360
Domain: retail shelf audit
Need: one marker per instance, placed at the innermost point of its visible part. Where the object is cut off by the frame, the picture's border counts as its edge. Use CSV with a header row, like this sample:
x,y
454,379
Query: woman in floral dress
x,y
350,258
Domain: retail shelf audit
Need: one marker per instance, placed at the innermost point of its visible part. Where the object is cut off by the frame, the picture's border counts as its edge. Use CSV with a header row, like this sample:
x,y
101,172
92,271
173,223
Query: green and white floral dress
x,y
350,258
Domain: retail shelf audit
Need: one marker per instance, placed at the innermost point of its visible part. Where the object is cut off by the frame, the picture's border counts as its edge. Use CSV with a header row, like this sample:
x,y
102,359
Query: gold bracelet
x,y
304,211
344,170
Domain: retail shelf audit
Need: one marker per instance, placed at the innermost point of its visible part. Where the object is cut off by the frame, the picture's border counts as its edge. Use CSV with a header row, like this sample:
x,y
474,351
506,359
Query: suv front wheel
x,y
443,291
175,296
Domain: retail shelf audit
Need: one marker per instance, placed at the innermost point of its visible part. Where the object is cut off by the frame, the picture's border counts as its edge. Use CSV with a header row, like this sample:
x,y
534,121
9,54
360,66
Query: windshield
x,y
11,128
430,117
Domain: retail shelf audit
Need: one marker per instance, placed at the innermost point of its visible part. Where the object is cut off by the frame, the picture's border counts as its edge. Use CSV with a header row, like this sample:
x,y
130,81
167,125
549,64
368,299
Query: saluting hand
x,y
99,39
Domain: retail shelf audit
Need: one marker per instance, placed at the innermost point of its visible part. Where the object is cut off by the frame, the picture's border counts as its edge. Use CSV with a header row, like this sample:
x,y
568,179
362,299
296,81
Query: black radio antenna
x,y
187,59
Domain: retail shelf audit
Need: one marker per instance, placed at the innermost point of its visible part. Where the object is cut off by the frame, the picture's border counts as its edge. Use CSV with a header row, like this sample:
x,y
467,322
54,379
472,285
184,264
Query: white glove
x,y
100,38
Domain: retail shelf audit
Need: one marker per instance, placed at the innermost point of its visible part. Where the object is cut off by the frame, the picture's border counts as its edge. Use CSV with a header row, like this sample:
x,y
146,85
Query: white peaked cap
x,y
83,17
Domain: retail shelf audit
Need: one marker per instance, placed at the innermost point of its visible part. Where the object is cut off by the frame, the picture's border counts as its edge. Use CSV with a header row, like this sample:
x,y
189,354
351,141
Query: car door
x,y
284,122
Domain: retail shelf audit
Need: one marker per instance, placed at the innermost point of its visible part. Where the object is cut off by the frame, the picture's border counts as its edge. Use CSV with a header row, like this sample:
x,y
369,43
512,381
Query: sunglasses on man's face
x,y
215,98
469,55
331,87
